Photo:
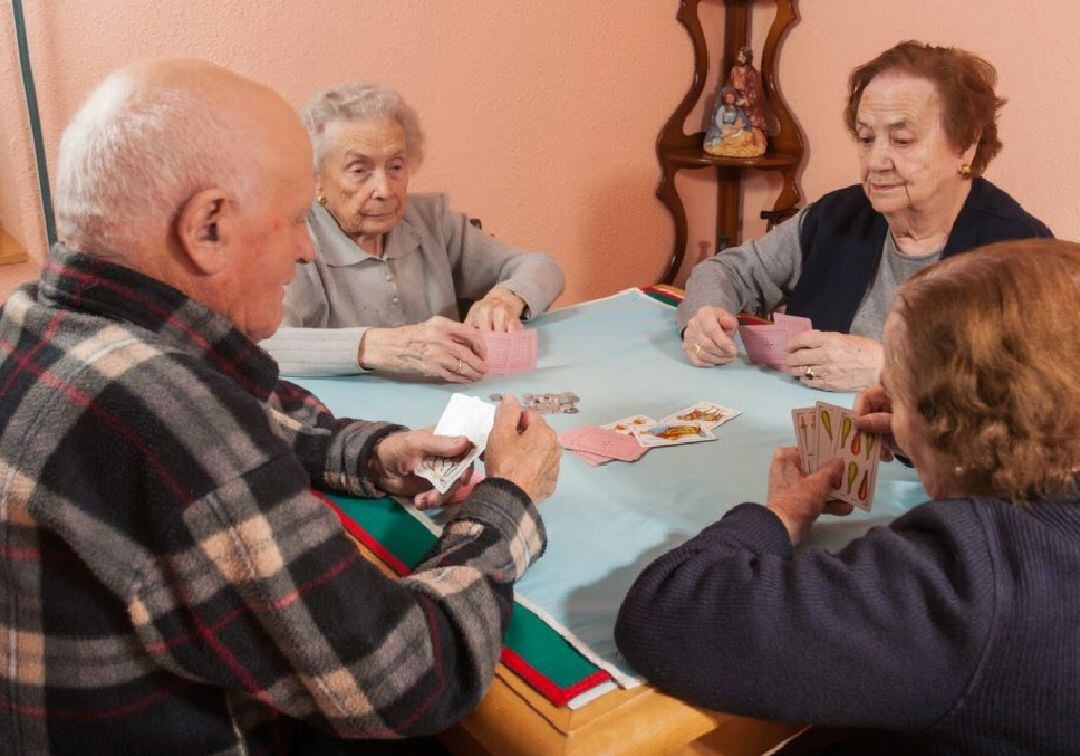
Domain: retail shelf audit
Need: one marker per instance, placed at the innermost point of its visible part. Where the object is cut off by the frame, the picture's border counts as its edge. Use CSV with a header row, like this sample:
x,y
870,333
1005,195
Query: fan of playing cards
x,y
508,353
827,431
464,416
766,343
629,438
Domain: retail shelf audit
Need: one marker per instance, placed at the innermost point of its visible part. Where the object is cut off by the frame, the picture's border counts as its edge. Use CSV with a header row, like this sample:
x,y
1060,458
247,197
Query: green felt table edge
x,y
527,635
661,296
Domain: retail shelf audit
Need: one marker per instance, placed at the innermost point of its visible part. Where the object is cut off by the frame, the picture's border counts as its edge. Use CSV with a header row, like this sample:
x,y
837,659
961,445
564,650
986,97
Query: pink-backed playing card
x,y
513,352
767,344
592,460
792,323
600,441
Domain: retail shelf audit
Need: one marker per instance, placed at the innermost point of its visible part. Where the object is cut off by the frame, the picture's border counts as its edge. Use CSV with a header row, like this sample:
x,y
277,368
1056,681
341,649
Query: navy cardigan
x,y
842,237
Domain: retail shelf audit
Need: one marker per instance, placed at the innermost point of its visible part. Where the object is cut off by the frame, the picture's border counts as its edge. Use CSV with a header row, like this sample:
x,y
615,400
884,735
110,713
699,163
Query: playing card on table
x,y
602,442
674,434
628,425
513,352
708,415
464,416
592,460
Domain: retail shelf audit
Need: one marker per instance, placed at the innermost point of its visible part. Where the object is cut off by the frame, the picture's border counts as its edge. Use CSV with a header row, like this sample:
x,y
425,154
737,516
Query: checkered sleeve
x,y
334,451
264,595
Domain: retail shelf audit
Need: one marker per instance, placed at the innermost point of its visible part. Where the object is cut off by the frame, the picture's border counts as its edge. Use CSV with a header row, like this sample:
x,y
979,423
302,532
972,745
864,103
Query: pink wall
x,y
1032,45
542,114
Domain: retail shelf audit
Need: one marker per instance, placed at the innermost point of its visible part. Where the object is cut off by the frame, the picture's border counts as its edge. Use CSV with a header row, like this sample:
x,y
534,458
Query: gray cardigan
x,y
431,258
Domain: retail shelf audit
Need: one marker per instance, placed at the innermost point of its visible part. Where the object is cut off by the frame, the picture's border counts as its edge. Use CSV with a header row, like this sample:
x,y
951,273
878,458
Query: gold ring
x,y
697,350
809,374
459,364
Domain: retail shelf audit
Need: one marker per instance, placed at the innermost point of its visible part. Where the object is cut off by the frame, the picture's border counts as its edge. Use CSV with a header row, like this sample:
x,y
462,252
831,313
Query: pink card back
x,y
513,352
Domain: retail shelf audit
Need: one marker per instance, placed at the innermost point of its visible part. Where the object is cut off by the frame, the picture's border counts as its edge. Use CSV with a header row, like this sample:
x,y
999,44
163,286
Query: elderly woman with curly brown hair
x,y
391,267
924,120
957,627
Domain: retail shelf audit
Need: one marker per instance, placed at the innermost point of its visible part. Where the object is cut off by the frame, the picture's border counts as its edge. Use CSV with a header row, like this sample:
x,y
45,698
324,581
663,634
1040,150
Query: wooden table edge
x,y
661,724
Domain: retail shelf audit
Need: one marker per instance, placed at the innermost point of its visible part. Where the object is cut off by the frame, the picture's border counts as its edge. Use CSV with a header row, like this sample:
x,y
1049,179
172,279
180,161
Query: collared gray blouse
x,y
431,258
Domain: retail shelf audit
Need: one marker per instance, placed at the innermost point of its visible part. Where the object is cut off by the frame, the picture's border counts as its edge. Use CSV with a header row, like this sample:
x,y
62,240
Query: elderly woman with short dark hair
x,y
924,120
391,267
956,629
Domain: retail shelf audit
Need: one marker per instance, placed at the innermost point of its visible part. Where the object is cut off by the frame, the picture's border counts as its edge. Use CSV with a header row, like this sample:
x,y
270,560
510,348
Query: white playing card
x,y
674,434
805,421
466,416
828,437
708,415
628,425
861,453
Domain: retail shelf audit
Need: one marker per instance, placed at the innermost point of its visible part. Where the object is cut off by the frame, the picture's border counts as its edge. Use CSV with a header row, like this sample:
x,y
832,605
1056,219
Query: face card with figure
x,y
628,425
675,434
708,415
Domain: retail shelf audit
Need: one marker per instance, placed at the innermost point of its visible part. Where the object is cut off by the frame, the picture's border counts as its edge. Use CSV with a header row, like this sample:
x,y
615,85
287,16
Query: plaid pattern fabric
x,y
169,584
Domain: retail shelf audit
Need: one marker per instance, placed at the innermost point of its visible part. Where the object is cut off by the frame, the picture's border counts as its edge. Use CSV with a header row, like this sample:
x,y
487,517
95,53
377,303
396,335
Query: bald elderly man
x,y
170,583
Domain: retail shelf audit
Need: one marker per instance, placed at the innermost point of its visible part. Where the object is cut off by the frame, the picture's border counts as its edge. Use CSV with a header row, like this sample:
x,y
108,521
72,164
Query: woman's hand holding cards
x,y
874,409
707,337
799,499
834,361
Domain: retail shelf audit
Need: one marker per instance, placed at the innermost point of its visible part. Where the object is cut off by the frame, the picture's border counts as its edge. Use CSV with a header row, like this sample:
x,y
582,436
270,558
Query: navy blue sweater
x,y
957,627
842,236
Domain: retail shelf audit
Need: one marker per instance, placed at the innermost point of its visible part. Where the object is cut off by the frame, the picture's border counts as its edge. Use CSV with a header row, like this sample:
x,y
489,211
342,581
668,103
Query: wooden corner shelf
x,y
677,150
691,158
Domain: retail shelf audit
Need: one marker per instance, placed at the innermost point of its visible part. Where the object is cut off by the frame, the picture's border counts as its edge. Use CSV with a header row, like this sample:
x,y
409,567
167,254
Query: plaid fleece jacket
x,y
169,584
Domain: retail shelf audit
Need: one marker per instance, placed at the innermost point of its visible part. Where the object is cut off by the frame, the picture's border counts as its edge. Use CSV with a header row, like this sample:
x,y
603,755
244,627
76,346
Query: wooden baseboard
x,y
10,250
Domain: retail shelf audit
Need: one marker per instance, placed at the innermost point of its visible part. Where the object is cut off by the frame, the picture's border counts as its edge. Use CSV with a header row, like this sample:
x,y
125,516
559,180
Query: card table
x,y
622,356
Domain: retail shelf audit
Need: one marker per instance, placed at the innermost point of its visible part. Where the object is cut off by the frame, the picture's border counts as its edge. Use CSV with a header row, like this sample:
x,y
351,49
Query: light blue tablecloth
x,y
622,356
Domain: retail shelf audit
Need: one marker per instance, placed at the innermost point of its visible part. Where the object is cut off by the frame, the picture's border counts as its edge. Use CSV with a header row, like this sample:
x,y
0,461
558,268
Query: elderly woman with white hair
x,y
391,267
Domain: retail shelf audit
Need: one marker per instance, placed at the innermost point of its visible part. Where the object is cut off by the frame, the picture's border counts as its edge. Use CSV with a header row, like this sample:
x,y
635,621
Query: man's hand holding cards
x,y
826,432
464,416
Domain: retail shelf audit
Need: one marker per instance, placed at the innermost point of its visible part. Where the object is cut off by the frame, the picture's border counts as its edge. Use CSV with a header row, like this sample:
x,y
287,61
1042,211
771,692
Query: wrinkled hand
x,y
392,467
838,361
499,311
873,407
523,449
707,338
438,348
797,498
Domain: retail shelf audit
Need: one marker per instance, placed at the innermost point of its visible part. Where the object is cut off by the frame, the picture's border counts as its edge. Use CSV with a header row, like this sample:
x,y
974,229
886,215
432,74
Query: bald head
x,y
152,135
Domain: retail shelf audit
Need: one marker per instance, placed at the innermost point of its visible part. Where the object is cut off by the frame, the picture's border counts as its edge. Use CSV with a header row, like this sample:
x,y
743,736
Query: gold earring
x,y
964,170
322,200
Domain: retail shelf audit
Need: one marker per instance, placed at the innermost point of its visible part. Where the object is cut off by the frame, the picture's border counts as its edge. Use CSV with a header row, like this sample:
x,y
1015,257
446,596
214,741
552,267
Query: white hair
x,y
356,101
132,157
